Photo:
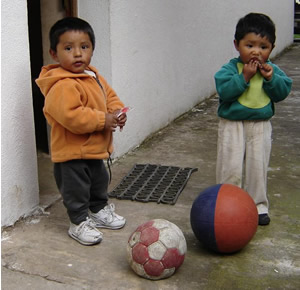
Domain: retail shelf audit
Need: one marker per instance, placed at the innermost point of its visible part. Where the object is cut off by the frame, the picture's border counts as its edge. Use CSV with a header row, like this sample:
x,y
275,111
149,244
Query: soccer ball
x,y
156,249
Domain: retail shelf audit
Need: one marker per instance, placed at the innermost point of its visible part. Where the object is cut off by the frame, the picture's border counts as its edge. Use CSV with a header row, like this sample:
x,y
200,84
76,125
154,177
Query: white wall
x,y
97,13
164,53
19,181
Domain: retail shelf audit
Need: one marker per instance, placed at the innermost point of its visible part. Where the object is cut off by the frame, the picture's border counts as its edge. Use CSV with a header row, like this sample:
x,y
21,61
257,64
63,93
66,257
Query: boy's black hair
x,y
257,23
69,24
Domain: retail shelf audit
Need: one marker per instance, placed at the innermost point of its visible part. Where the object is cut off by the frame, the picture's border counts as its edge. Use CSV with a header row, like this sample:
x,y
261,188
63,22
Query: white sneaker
x,y
85,233
107,218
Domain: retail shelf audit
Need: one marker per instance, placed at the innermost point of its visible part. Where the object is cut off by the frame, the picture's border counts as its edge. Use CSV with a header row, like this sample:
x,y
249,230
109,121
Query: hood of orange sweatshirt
x,y
52,73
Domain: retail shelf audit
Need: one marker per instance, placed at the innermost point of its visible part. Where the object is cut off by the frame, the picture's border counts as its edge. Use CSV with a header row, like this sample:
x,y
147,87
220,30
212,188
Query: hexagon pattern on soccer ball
x,y
156,249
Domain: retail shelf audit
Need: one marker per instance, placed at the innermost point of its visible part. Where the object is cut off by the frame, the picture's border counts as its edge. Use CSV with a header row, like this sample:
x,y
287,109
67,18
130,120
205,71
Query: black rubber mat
x,y
148,182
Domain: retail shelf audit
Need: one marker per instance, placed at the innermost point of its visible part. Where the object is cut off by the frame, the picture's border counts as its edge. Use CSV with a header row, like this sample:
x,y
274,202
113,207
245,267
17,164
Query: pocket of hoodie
x,y
97,143
77,139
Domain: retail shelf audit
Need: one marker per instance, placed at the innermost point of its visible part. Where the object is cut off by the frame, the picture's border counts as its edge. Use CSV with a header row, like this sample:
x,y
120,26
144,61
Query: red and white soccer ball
x,y
156,249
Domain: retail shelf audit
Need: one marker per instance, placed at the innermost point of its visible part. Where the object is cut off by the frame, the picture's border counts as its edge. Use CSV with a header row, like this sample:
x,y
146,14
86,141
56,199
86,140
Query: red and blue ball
x,y
224,218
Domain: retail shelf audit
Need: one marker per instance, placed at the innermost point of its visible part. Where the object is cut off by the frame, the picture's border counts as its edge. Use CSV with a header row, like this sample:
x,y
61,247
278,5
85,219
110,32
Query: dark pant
x,y
83,185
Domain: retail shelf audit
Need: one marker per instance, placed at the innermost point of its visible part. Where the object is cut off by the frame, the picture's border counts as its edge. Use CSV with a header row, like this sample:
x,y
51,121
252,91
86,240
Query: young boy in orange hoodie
x,y
83,111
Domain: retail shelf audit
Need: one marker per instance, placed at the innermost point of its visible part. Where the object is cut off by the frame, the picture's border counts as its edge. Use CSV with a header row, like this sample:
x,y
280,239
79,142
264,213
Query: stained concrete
x,y
38,254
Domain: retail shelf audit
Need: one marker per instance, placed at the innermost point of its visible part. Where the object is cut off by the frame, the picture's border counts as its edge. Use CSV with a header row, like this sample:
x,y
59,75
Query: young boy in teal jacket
x,y
248,87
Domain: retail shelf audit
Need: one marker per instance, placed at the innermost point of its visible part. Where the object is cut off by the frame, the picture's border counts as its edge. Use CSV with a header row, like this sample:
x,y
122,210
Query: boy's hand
x,y
250,69
111,122
266,71
122,118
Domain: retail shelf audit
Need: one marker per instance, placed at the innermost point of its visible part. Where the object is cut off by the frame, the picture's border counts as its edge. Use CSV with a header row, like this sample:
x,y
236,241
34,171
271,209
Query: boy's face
x,y
73,51
254,47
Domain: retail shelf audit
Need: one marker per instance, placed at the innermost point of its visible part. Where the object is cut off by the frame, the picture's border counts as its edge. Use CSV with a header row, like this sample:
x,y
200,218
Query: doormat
x,y
148,182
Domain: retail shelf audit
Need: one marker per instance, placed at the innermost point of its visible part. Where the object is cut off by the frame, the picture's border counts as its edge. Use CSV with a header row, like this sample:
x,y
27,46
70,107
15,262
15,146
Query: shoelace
x,y
88,223
110,210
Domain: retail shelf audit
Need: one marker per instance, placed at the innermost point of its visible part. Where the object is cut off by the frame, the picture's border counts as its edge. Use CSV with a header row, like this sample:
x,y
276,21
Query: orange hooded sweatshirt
x,y
75,107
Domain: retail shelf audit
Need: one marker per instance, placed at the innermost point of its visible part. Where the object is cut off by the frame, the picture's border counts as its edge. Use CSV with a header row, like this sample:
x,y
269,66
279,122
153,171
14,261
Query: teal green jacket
x,y
254,100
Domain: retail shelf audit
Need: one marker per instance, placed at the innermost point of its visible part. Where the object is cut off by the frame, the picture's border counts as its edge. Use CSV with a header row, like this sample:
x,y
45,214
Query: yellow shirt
x,y
254,96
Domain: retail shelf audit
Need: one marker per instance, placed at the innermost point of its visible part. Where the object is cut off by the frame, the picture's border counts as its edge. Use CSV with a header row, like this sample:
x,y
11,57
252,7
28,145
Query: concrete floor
x,y
38,254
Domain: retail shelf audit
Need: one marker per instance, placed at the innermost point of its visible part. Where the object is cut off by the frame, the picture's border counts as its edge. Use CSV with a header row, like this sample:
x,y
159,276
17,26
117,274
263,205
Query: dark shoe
x,y
263,219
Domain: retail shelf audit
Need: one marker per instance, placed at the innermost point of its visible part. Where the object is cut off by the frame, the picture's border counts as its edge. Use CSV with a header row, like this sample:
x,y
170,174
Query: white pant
x,y
245,145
